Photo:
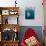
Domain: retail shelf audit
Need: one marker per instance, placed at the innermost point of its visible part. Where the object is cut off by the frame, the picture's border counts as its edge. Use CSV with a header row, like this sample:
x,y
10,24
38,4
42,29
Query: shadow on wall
x,y
37,29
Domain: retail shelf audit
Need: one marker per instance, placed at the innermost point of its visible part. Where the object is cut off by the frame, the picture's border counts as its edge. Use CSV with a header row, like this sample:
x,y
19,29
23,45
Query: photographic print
x,y
29,13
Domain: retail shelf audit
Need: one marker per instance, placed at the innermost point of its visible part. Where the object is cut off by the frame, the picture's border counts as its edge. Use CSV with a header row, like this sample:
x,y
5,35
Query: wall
x,y
37,4
6,3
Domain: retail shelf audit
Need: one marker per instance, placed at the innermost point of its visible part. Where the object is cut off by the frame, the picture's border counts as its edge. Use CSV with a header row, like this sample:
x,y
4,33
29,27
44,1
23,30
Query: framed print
x,y
29,13
5,12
